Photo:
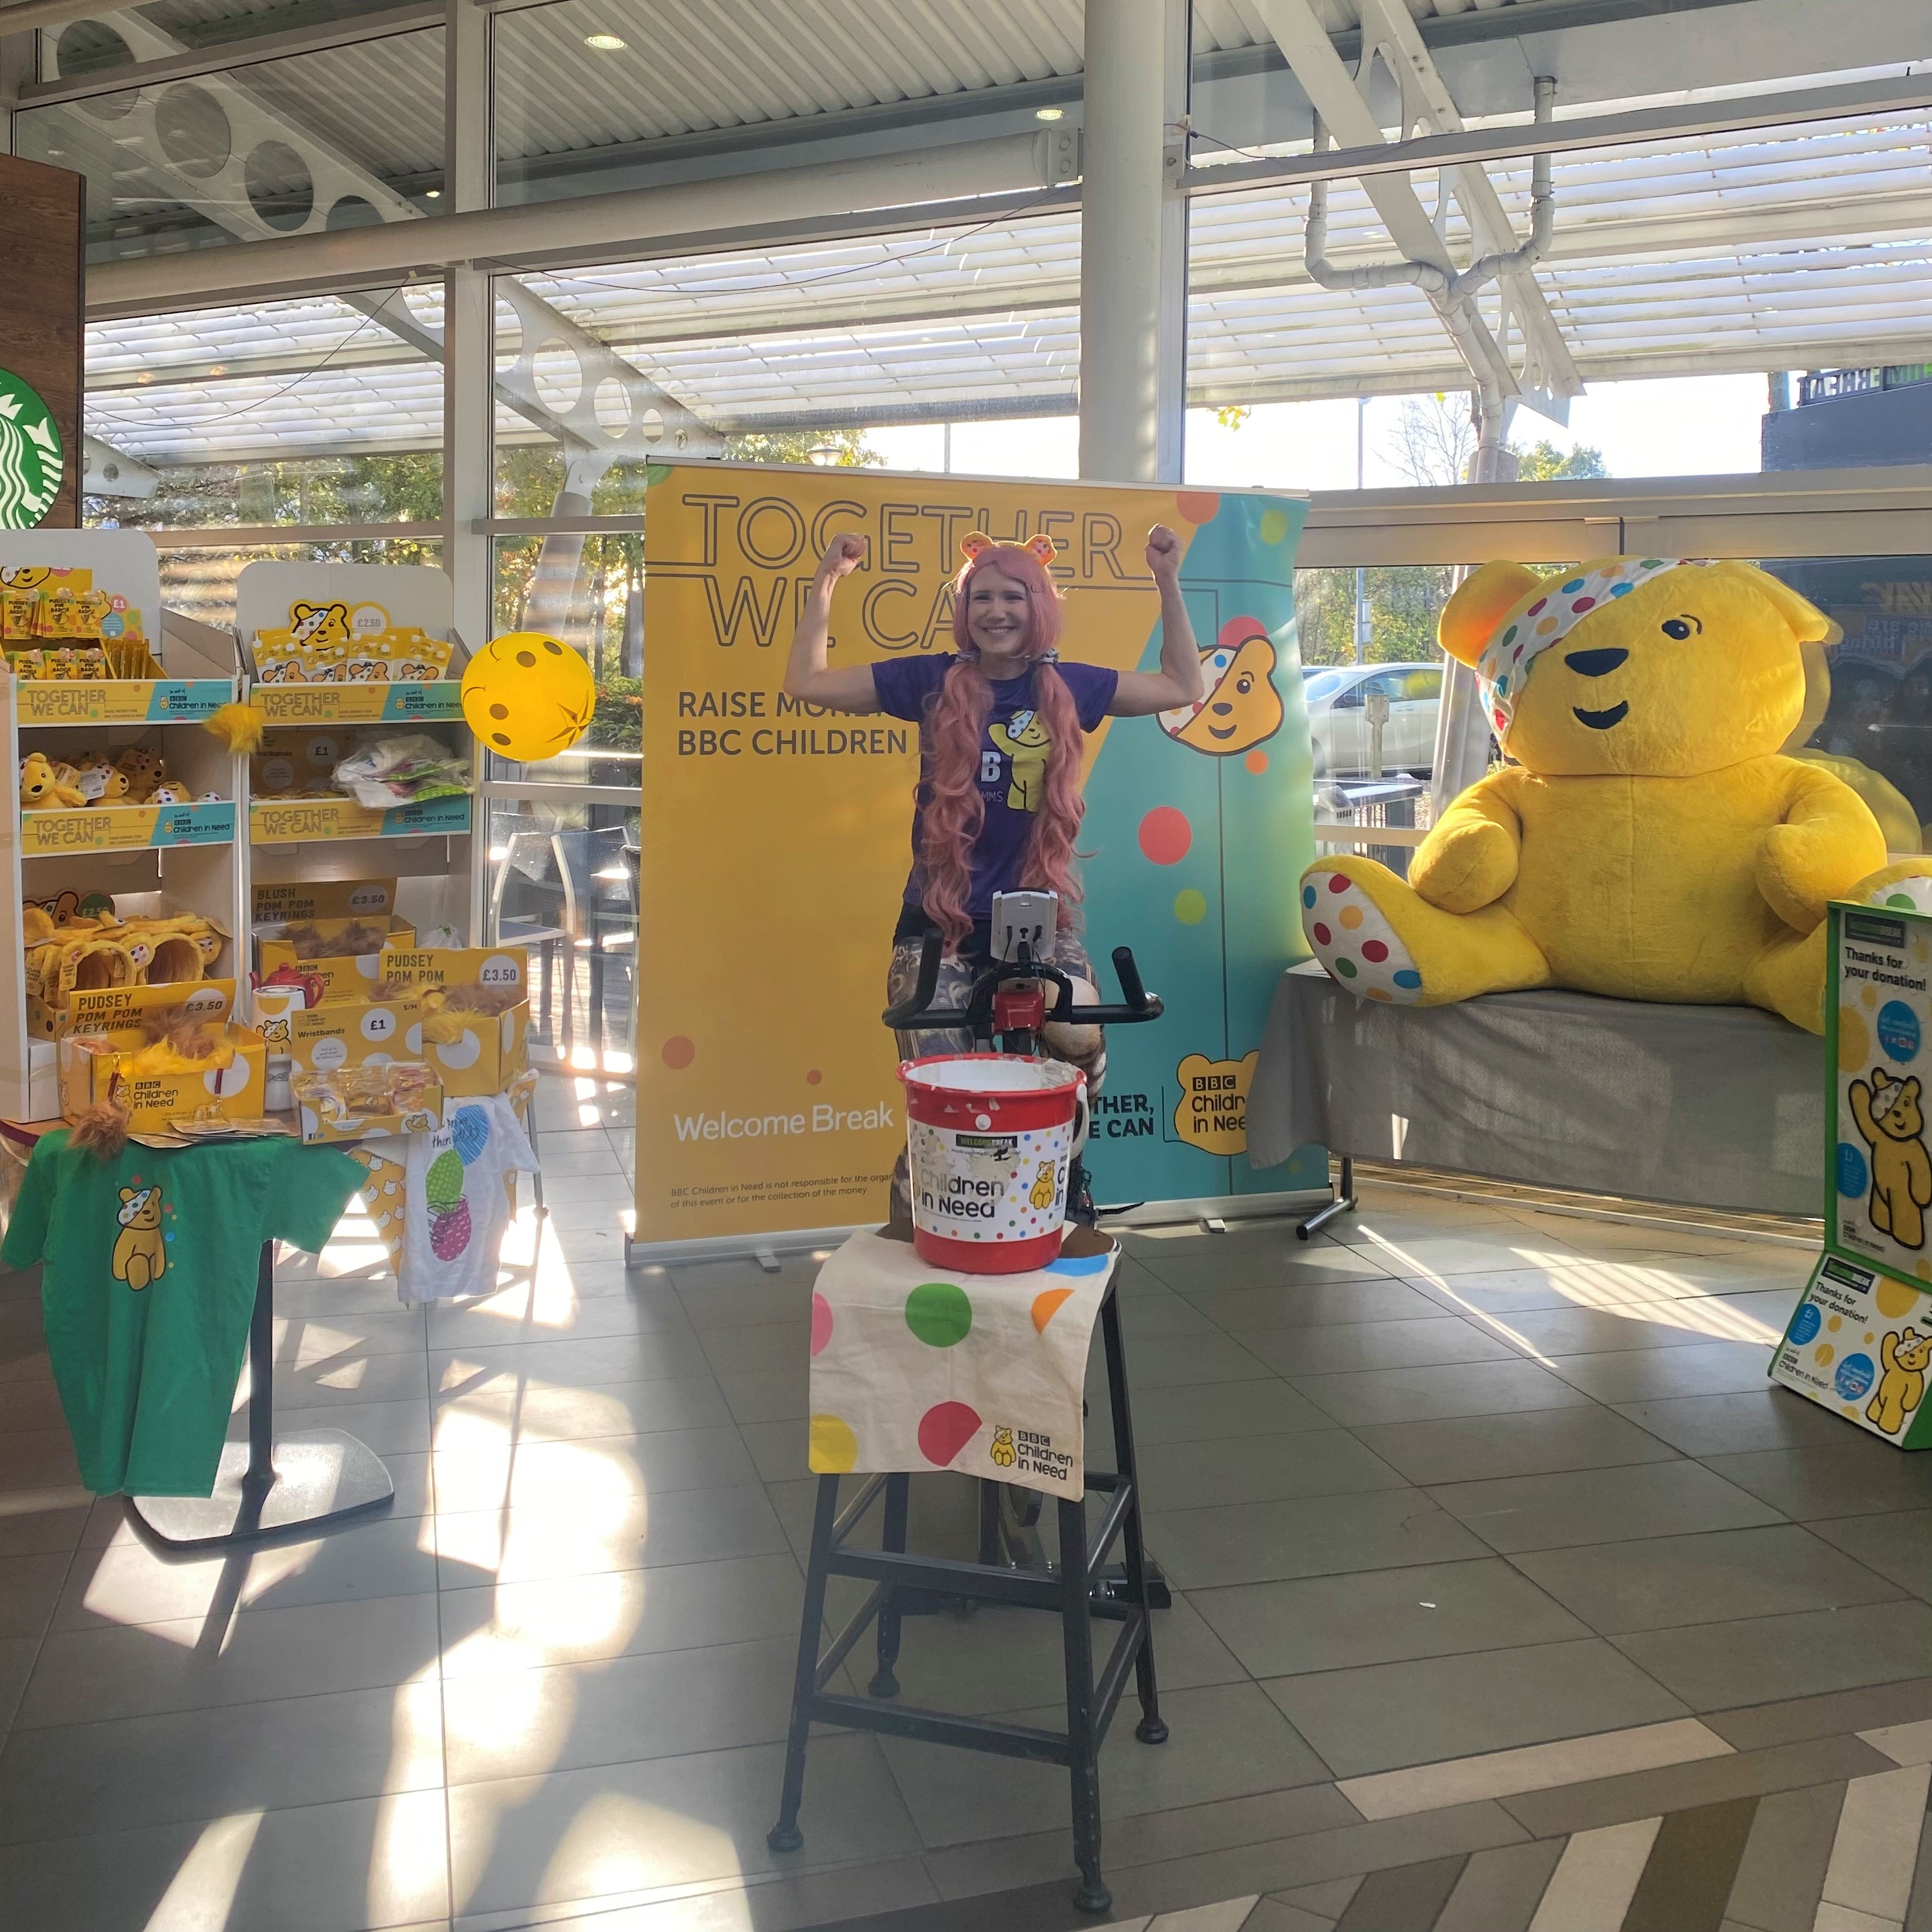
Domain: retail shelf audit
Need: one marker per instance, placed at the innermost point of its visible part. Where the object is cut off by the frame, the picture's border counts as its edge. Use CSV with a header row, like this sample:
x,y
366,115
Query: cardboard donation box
x,y
372,1102
109,1056
166,952
475,1012
292,901
1859,1342
342,1033
349,954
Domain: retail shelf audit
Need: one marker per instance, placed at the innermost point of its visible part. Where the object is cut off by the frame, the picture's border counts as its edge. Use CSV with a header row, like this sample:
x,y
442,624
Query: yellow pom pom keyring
x,y
527,697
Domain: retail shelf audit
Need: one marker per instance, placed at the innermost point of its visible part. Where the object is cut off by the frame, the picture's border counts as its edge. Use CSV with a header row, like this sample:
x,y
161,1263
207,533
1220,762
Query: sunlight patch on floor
x,y
201,1894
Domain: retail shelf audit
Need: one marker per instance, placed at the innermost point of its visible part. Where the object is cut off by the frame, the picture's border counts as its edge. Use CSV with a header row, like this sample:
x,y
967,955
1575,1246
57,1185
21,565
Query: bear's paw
x,y
1358,947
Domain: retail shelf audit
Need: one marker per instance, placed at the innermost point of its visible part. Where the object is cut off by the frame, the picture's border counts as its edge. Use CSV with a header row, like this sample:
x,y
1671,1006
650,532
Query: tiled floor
x,y
1506,1593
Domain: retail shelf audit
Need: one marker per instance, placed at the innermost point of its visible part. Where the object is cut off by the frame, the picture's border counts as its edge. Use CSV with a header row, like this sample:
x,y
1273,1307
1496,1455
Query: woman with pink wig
x,y
1002,729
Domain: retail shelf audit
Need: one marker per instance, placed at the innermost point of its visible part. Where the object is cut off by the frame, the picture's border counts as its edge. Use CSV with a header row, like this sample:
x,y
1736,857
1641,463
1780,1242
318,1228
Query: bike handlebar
x,y
917,1012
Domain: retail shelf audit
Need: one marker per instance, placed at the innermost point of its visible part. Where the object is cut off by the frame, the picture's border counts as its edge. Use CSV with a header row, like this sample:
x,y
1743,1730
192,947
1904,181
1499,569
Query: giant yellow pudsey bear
x,y
1649,840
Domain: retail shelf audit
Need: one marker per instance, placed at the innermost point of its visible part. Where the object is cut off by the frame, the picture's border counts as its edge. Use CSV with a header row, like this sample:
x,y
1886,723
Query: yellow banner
x,y
120,828
776,836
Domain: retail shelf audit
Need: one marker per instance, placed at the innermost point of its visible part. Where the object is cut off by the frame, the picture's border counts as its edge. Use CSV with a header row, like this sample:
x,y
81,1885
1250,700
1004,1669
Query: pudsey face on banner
x,y
1239,705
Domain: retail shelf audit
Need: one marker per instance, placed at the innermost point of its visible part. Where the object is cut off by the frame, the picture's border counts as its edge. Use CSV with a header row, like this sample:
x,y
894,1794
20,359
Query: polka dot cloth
x,y
1547,618
1356,946
915,1368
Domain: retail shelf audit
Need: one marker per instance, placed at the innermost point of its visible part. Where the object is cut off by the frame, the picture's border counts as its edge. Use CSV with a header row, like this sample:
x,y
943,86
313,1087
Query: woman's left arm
x,y
1178,682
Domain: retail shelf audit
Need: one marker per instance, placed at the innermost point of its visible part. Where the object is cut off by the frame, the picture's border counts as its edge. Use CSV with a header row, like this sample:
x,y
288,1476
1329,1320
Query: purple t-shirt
x,y
1012,759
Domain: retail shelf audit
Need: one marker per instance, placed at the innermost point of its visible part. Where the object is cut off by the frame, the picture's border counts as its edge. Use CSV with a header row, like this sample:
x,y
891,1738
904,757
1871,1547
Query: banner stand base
x,y
766,1249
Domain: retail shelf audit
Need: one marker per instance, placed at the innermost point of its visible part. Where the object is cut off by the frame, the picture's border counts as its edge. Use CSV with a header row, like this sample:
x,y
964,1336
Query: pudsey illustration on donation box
x,y
1649,838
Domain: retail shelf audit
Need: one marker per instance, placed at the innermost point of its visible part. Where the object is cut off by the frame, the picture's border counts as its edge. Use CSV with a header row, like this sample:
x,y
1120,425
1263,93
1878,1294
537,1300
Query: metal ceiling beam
x,y
1519,140
1340,98
1596,244
832,197
226,56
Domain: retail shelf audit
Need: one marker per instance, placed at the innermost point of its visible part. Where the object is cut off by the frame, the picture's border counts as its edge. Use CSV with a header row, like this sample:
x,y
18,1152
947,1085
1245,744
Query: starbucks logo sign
x,y
31,457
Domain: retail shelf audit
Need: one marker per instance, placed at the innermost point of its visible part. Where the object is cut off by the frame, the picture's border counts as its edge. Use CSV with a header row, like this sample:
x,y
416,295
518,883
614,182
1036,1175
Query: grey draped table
x,y
1720,1107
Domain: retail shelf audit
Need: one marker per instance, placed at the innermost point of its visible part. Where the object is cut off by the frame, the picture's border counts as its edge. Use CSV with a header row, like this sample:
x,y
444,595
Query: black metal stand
x,y
1076,1591
274,1484
1344,1202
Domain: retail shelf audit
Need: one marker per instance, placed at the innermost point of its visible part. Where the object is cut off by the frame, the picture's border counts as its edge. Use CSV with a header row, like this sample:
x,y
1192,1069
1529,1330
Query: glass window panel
x,y
1679,272
1876,723
340,139
604,620
563,882
120,36
200,583
323,410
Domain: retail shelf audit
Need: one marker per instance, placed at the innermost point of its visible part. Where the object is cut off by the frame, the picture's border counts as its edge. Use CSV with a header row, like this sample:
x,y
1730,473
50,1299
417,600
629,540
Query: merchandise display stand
x,y
147,859
273,1485
433,849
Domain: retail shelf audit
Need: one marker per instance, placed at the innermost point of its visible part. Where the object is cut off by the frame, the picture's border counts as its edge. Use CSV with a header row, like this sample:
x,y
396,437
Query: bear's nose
x,y
1220,710
1595,664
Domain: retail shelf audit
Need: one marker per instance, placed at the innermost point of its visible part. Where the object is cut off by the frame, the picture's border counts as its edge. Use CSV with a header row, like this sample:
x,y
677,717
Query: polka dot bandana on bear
x,y
1547,619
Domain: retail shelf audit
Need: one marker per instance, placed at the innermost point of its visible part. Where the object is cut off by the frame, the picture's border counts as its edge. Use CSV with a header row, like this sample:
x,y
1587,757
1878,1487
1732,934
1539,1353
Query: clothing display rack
x,y
270,1485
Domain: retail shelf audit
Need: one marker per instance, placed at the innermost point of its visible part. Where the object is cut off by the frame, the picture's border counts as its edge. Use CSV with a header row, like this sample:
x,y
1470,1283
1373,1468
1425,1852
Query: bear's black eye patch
x,y
1680,628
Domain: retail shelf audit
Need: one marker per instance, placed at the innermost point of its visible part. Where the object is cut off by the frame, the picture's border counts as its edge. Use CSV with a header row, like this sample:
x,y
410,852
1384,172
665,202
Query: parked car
x,y
1337,724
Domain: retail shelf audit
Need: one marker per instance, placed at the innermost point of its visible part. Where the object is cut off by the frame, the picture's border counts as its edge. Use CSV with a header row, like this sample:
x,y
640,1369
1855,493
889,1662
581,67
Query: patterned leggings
x,y
956,975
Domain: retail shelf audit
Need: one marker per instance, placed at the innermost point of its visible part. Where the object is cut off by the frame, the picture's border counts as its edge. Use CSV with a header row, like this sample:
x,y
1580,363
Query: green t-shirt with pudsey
x,y
149,1266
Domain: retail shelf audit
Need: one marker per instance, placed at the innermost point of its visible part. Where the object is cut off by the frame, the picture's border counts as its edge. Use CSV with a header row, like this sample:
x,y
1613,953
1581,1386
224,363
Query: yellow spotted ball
x,y
1822,1355
1274,526
1837,1321
1190,907
1868,996
527,697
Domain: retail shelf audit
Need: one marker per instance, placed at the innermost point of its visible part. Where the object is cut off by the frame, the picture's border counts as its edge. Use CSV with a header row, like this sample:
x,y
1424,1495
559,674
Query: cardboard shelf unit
x,y
432,849
145,859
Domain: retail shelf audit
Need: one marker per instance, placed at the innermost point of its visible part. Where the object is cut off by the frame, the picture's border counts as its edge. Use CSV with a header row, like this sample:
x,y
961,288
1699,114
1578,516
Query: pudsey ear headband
x,y
976,543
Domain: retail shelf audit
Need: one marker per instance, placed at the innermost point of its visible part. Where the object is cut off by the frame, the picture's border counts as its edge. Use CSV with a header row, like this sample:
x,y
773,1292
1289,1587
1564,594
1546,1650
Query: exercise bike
x,y
1006,1011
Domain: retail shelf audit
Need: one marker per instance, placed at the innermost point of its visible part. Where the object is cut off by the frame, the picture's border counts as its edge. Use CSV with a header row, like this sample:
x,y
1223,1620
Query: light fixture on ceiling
x,y
604,43
1049,113
432,194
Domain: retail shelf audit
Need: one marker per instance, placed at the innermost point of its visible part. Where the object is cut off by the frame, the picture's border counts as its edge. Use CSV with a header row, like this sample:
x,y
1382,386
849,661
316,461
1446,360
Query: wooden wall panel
x,y
42,289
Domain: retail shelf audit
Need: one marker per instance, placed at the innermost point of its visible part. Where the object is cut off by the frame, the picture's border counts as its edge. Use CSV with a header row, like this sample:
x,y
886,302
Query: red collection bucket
x,y
989,1137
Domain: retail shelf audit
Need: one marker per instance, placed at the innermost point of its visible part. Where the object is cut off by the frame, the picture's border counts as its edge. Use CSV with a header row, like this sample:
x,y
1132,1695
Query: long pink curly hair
x,y
955,726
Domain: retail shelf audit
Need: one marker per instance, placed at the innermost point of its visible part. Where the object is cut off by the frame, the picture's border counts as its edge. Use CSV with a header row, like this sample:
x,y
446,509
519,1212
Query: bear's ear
x,y
1807,623
1482,600
1912,1088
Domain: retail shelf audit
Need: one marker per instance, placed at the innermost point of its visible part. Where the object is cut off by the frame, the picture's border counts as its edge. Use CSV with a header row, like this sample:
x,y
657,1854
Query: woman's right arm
x,y
807,674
